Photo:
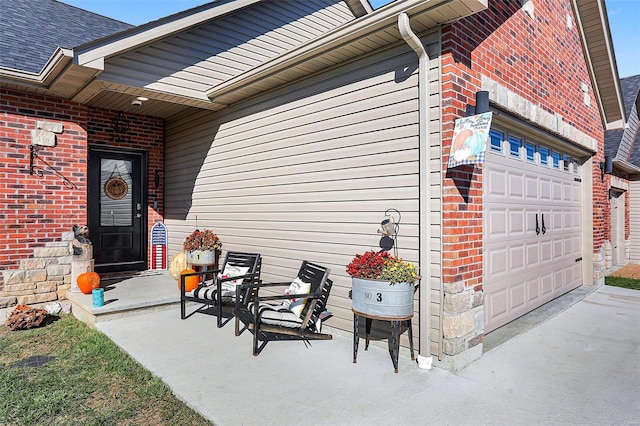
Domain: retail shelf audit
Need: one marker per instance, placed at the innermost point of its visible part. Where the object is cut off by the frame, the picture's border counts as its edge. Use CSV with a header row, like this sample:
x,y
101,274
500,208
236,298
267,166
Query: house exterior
x,y
290,128
622,161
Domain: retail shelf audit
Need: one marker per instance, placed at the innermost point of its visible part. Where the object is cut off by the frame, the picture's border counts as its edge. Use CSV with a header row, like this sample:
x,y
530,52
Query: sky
x,y
624,19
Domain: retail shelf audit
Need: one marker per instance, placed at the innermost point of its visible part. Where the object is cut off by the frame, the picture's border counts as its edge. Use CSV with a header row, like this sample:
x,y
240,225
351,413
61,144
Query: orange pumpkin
x,y
88,281
190,283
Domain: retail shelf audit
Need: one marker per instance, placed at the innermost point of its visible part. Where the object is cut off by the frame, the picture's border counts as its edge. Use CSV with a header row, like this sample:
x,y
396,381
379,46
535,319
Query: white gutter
x,y
425,190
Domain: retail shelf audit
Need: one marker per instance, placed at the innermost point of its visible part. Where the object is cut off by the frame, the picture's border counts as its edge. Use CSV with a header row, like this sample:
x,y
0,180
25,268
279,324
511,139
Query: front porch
x,y
127,295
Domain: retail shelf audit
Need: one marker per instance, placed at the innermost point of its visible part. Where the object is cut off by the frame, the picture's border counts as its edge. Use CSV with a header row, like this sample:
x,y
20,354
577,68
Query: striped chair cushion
x,y
210,292
276,315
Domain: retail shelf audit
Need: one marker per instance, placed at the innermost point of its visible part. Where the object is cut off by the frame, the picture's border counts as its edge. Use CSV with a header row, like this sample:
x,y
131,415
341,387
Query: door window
x,y
116,197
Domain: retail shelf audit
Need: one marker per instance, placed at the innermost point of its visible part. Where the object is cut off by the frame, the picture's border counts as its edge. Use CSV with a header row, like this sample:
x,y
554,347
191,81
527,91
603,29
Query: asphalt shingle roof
x,y
31,30
630,87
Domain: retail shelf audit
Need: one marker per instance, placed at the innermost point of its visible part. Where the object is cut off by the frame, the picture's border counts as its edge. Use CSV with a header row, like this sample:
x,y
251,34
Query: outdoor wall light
x,y
606,167
482,102
389,230
481,106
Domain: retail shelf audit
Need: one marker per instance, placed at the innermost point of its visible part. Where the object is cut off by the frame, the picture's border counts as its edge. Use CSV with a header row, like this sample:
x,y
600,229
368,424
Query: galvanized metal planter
x,y
379,298
201,257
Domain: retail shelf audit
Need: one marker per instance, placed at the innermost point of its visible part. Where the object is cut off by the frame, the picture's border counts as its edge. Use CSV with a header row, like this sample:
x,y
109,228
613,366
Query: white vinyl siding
x,y
308,171
193,61
634,220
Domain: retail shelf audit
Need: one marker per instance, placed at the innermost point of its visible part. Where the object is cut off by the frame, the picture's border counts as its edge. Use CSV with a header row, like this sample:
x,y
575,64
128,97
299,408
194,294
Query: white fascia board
x,y
625,166
93,54
602,26
382,18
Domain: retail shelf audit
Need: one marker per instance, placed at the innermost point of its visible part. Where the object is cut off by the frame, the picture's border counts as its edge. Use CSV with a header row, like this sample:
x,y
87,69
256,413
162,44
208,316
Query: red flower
x,y
368,265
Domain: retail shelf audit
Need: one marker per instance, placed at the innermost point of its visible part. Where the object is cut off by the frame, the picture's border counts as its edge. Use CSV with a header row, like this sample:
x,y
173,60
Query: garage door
x,y
532,227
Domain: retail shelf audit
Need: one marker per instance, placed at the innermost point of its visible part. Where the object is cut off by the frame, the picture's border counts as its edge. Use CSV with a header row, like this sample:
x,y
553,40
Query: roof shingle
x,y
31,30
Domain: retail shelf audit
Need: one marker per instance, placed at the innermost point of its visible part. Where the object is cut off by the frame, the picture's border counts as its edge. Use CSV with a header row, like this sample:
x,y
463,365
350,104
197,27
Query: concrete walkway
x,y
580,367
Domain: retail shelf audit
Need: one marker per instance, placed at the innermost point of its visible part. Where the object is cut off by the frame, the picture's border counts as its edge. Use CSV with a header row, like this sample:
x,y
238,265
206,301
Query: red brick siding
x,y
35,210
537,58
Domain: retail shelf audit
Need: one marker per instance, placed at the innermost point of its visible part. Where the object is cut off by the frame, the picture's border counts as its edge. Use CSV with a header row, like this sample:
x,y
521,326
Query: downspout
x,y
424,361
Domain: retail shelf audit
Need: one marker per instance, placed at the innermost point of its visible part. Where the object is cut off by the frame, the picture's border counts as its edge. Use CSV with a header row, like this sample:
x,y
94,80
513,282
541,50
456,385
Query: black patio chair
x,y
220,291
277,317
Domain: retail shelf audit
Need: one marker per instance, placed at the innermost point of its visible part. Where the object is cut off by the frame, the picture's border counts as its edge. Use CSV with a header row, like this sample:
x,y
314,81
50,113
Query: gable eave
x,y
331,48
593,26
94,53
55,67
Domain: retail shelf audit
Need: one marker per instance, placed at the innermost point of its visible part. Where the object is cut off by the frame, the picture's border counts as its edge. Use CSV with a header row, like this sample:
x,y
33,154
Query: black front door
x,y
117,208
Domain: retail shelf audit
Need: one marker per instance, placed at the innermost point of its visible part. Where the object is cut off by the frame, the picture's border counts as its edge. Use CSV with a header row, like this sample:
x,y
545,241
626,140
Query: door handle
x,y
537,226
544,228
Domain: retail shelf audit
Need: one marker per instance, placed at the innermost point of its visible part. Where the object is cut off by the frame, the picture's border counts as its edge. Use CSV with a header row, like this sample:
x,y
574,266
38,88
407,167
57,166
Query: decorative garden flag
x,y
470,137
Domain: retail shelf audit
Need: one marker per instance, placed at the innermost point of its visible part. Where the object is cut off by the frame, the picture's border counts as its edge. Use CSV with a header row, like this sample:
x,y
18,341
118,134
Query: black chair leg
x,y
410,331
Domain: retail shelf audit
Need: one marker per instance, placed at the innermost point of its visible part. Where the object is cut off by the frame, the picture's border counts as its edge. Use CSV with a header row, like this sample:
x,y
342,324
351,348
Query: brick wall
x,y
538,58
535,56
35,211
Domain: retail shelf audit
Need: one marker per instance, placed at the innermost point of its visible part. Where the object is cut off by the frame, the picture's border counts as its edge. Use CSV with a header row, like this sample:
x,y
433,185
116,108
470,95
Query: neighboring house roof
x,y
624,145
31,30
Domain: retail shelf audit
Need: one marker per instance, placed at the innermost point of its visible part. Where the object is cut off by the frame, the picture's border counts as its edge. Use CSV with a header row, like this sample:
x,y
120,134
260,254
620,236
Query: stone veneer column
x,y
599,268
43,278
462,324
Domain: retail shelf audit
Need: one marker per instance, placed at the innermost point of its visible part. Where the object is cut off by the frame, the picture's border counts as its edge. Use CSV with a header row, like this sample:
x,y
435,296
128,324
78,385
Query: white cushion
x,y
233,271
296,304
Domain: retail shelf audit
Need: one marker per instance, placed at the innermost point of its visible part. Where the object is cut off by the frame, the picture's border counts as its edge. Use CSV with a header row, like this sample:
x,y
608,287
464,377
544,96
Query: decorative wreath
x,y
116,188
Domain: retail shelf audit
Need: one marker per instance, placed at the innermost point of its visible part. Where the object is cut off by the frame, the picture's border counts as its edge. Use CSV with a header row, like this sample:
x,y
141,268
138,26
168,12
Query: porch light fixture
x,y
389,230
606,167
139,100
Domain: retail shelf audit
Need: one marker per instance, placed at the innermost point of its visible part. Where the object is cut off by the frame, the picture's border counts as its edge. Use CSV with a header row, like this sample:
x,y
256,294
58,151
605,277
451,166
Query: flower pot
x,y
201,257
381,298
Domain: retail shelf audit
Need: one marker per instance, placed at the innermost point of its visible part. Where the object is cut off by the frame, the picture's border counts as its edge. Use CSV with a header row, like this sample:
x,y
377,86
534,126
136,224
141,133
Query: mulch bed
x,y
628,271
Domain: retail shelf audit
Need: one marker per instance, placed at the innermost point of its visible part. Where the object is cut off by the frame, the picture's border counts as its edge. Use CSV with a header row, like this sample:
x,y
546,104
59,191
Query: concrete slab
x,y
579,367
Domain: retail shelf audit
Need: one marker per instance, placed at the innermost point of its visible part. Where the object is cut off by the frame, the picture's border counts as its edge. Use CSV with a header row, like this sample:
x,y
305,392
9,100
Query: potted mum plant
x,y
202,247
382,285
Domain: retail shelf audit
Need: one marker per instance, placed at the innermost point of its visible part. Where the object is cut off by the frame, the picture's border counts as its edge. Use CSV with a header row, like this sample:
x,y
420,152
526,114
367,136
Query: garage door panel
x,y
516,222
546,252
533,289
525,269
532,185
498,223
516,258
533,254
496,183
546,284
516,185
558,280
545,189
556,191
518,295
497,262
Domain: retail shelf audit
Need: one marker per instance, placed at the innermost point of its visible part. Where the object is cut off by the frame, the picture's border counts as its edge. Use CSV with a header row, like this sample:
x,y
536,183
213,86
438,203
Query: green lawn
x,y
88,381
623,282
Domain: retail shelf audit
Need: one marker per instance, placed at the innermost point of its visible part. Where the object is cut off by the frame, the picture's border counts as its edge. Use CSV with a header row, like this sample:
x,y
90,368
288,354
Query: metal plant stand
x,y
394,339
